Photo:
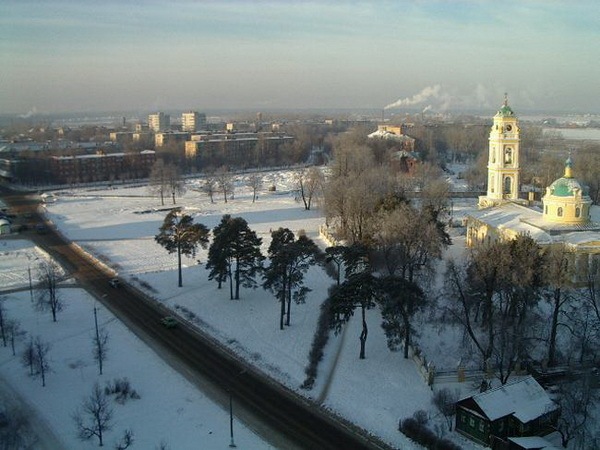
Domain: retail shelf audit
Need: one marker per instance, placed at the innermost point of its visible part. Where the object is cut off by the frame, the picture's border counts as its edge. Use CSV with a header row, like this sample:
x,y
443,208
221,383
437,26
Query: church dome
x,y
505,110
566,201
566,186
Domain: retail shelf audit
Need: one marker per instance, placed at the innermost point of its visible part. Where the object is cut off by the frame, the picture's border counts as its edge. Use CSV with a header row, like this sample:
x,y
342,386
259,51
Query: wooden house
x,y
520,408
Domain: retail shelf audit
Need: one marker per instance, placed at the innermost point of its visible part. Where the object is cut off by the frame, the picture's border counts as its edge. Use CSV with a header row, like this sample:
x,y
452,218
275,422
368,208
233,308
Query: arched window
x,y
578,212
508,156
508,185
559,212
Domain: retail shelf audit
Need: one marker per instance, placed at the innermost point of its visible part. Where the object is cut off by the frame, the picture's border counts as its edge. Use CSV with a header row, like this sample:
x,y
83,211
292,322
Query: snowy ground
x,y
118,225
171,410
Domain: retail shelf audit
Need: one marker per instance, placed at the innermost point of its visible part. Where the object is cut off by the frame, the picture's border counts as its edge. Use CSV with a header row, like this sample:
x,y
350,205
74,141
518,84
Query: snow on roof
x,y
525,399
533,442
509,216
523,219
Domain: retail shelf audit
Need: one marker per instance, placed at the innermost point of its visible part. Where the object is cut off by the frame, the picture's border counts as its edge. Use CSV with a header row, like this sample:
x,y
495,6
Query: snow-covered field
x,y
170,409
118,226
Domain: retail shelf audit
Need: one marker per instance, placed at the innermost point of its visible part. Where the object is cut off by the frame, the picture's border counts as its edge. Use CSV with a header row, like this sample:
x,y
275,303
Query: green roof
x,y
506,111
565,187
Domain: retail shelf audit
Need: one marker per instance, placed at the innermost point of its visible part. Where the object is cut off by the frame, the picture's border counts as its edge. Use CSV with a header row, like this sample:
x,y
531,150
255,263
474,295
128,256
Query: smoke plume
x,y
426,94
32,112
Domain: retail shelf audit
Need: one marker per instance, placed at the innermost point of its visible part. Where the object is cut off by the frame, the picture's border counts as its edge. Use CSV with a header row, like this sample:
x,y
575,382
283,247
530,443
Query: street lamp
x,y
232,442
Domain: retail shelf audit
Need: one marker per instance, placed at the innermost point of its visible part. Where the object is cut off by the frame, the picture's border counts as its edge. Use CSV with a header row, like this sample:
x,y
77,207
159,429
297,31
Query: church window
x,y
508,156
546,209
578,212
559,212
507,185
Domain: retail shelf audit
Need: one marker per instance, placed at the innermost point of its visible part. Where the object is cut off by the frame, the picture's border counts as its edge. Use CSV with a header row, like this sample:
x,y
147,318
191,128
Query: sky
x,y
443,55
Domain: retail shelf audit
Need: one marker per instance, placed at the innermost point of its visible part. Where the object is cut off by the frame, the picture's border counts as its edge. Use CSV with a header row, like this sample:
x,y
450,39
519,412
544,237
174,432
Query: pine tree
x,y
180,234
234,254
290,259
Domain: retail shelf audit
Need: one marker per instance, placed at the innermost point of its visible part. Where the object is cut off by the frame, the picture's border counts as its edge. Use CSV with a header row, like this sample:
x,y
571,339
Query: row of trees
x,y
499,289
235,257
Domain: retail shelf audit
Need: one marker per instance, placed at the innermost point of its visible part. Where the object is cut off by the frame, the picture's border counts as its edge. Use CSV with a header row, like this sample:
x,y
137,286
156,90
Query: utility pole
x,y
97,337
30,284
232,443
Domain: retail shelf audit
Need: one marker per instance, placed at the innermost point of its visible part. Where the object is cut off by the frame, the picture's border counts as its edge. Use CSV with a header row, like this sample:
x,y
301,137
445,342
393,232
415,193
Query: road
x,y
285,419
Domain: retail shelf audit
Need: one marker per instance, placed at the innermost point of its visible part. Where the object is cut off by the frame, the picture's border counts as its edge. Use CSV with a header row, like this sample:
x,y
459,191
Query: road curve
x,y
304,423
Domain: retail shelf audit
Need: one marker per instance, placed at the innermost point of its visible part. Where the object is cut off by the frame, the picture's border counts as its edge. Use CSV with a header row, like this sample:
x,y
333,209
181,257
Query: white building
x,y
192,121
159,122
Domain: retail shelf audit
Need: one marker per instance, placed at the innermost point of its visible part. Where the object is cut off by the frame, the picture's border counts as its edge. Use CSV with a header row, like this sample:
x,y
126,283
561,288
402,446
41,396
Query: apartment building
x,y
193,121
159,122
100,167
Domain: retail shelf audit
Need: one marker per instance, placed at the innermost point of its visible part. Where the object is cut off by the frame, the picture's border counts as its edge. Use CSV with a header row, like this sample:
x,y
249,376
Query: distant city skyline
x,y
72,56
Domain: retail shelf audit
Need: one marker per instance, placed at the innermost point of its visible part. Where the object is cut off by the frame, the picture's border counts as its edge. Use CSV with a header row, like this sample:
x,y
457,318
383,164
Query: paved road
x,y
285,419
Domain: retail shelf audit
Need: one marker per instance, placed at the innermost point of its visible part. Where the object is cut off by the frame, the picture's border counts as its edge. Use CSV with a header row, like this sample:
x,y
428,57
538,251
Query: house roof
x,y
533,442
525,399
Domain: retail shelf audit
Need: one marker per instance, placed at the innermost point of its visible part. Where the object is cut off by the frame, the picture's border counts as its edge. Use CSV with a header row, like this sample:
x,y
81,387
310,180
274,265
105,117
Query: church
x,y
565,215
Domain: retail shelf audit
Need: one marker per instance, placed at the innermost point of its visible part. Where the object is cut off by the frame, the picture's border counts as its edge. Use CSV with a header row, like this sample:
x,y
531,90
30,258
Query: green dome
x,y
505,111
565,187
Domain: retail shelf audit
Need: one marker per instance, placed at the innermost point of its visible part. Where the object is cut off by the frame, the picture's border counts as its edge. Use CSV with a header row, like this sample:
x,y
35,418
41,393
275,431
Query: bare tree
x,y
35,356
28,357
495,292
94,417
13,332
41,350
176,184
126,441
48,298
576,400
309,183
225,183
159,180
255,183
210,188
558,274
445,401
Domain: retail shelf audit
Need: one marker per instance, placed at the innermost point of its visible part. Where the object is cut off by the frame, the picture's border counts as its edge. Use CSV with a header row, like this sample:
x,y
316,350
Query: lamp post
x,y
232,442
30,283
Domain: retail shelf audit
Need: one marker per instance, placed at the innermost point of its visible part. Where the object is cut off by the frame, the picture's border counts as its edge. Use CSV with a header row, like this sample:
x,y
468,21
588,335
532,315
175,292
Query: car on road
x,y
169,321
115,282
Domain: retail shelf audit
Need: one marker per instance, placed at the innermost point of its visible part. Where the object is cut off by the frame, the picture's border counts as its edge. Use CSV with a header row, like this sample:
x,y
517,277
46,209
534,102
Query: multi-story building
x,y
101,167
236,149
121,137
192,121
161,139
159,122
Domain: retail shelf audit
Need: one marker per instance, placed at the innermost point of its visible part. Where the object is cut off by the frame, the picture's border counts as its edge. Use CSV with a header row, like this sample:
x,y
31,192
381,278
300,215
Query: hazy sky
x,y
81,55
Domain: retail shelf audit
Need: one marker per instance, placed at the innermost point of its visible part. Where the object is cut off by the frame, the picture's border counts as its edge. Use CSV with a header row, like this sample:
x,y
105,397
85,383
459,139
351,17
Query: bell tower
x,y
503,159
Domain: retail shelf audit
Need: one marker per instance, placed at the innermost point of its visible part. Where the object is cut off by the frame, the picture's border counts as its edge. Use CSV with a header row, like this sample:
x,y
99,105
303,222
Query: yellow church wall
x,y
566,212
